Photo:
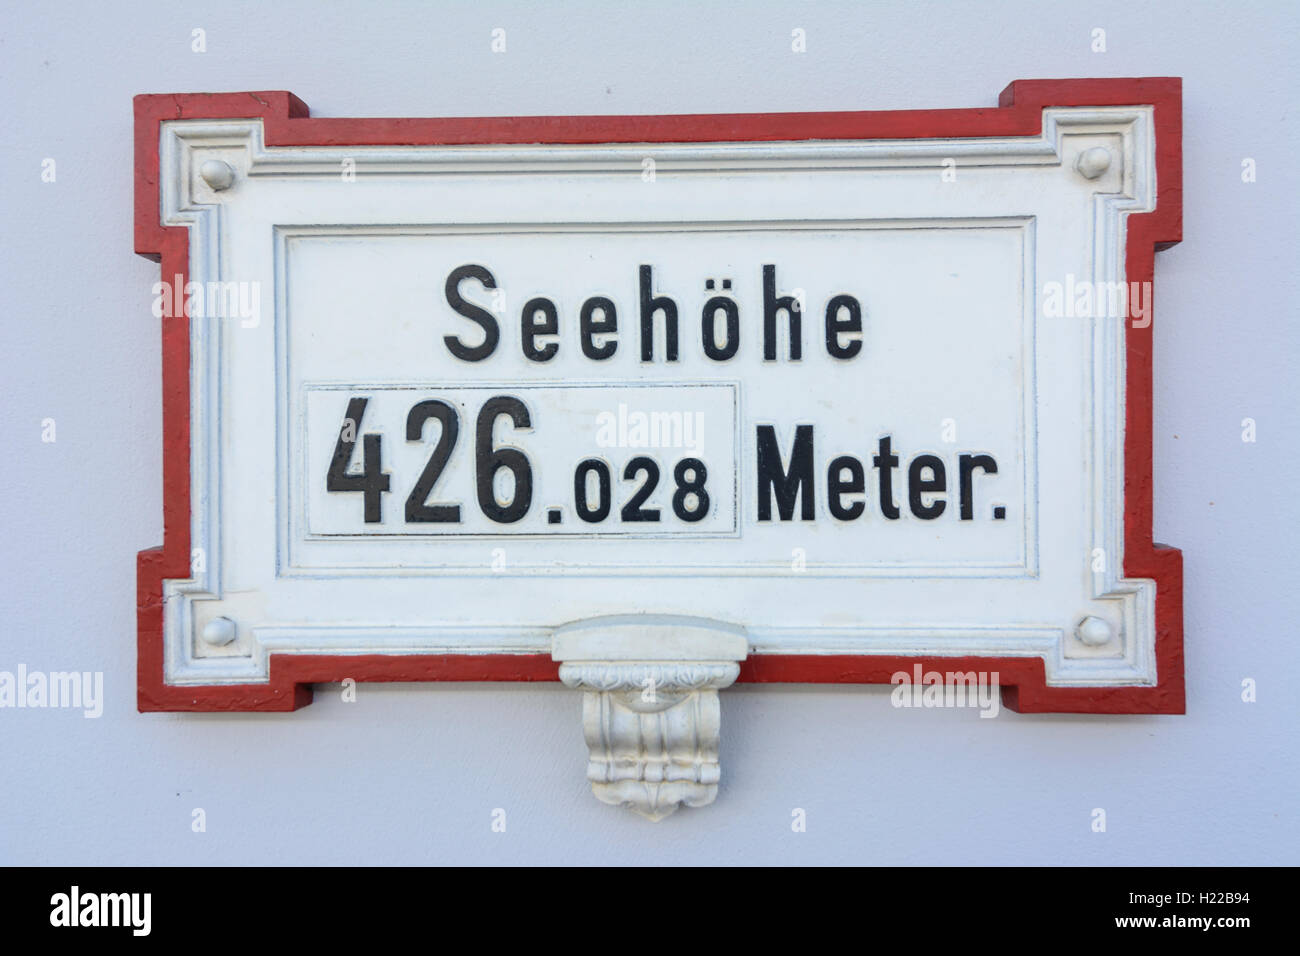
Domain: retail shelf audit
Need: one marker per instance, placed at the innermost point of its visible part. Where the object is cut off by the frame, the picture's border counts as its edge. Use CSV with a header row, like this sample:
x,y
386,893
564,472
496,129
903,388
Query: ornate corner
x,y
650,709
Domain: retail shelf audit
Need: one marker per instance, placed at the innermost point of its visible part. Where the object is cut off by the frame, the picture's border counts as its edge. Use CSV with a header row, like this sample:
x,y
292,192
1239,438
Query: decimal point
x,y
553,516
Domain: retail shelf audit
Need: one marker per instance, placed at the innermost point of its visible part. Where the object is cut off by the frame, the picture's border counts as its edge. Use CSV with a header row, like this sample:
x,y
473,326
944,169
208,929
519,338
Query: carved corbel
x,y
650,710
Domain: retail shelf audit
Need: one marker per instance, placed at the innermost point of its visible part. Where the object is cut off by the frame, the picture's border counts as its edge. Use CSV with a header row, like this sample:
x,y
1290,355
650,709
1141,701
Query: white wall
x,y
411,773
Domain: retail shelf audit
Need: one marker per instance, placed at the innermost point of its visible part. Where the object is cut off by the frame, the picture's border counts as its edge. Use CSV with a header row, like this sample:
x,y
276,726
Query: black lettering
x,y
787,485
837,326
591,326
650,304
886,461
837,486
417,508
632,511
966,465
690,475
709,331
488,460
530,328
581,500
771,306
917,486
491,332
372,482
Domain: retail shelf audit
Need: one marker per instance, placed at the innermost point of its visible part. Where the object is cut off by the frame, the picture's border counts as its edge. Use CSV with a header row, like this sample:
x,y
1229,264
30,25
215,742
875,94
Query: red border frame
x,y
1019,113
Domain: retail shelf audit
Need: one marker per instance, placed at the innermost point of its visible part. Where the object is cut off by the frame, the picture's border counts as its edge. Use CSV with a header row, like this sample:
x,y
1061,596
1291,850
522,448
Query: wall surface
x,y
412,773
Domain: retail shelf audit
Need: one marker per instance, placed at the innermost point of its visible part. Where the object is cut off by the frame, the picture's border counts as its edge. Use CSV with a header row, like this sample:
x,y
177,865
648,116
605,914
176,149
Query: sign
x,y
821,397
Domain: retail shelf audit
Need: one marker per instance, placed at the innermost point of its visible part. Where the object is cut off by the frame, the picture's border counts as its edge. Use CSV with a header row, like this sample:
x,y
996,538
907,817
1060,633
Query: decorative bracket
x,y
650,710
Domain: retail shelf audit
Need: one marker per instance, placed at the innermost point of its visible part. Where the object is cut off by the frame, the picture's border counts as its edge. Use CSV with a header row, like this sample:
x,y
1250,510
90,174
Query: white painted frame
x,y
994,172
